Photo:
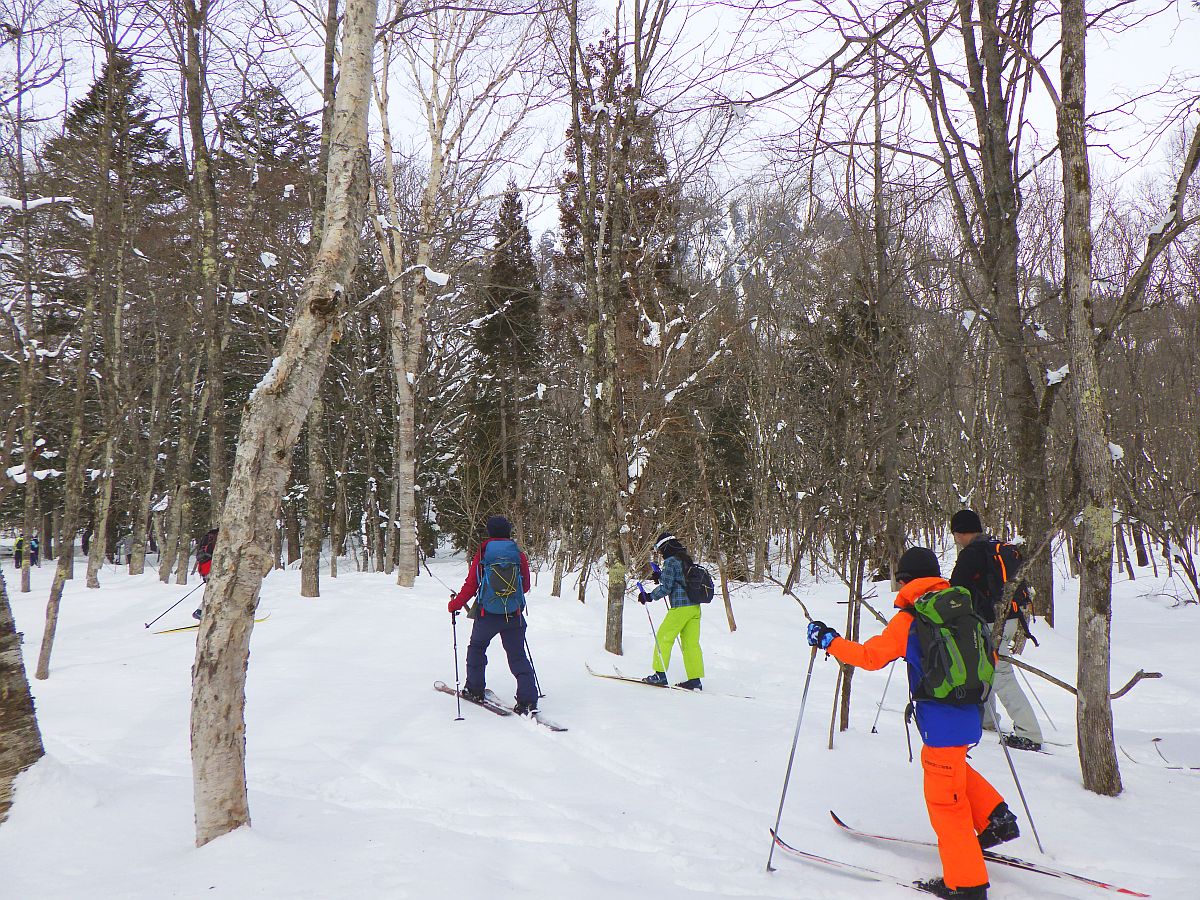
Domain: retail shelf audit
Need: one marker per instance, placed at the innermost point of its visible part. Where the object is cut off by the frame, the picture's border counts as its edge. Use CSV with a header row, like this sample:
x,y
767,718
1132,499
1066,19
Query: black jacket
x,y
975,570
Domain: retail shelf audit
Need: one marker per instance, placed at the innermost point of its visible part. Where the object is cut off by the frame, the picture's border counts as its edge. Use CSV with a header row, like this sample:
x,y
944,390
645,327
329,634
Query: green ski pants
x,y
682,622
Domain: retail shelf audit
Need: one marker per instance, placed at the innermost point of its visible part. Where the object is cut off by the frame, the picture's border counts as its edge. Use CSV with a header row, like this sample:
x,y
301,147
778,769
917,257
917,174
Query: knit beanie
x,y
499,527
918,562
966,521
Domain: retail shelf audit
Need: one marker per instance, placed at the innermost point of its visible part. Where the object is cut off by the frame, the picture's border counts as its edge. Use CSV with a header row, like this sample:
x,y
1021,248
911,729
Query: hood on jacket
x,y
918,587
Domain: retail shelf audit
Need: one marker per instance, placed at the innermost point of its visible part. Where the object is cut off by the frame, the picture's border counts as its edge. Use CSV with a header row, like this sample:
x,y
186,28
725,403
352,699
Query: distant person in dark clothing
x,y
979,571
204,554
34,550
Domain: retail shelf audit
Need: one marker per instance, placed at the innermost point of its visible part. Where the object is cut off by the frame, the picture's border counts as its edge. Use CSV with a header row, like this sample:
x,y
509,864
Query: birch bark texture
x,y
20,739
1093,462
271,424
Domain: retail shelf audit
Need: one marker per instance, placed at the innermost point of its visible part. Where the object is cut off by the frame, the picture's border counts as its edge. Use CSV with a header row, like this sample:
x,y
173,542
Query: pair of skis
x,y
856,870
493,704
618,676
197,625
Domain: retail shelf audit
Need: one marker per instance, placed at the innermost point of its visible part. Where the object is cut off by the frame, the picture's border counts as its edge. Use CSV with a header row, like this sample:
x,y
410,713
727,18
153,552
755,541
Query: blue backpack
x,y
500,590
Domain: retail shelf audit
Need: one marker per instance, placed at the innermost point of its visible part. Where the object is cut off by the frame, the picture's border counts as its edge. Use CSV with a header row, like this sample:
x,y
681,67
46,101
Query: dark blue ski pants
x,y
512,635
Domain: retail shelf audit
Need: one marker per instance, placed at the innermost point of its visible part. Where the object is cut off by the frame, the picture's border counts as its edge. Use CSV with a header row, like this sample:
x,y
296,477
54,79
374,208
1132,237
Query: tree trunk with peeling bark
x,y
77,452
314,518
100,510
20,740
204,198
144,494
1094,722
271,425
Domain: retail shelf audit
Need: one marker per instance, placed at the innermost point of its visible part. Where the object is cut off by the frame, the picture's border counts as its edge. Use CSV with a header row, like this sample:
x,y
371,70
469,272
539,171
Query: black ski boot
x,y
658,678
1021,743
472,695
525,709
1001,827
692,684
937,887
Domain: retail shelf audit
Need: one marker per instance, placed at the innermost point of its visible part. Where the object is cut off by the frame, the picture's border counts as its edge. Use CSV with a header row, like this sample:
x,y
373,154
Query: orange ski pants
x,y
960,801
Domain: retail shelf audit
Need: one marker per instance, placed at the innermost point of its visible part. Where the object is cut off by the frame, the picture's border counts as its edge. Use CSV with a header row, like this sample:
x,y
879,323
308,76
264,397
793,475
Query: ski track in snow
x,y
363,786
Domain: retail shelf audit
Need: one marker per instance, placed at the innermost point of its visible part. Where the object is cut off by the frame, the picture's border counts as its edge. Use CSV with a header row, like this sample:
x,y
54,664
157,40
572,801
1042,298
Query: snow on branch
x,y
1054,376
691,379
441,279
13,203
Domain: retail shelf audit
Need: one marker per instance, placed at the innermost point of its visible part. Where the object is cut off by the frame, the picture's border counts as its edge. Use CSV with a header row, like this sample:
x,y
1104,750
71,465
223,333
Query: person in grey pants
x,y
976,570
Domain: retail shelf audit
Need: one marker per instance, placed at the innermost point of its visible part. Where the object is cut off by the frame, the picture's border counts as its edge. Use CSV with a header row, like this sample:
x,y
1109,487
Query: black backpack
x,y
1007,560
956,655
208,543
699,584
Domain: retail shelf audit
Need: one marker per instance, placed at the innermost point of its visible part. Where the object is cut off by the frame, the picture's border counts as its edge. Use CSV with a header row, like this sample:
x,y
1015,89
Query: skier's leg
x,y
982,797
950,815
482,633
990,716
512,635
1006,687
689,642
672,624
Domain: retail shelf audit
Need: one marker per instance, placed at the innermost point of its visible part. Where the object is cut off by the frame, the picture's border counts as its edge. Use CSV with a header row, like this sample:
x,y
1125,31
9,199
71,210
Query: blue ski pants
x,y
512,635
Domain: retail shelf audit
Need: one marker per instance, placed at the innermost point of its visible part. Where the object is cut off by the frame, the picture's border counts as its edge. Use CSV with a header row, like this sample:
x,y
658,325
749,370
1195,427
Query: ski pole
x,y
1041,706
1016,780
653,630
175,604
812,658
653,633
457,690
438,580
879,709
529,653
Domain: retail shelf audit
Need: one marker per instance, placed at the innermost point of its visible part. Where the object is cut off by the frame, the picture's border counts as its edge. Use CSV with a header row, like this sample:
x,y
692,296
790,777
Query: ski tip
x,y
837,819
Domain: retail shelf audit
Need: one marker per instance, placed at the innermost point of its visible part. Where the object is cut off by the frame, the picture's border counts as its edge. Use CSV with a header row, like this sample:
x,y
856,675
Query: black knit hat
x,y
966,521
918,562
499,527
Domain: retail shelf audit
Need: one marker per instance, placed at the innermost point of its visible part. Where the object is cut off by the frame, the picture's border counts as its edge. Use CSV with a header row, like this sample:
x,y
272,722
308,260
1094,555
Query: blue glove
x,y
656,572
821,635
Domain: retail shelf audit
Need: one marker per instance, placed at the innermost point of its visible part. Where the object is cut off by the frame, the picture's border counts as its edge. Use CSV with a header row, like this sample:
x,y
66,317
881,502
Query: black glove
x,y
643,597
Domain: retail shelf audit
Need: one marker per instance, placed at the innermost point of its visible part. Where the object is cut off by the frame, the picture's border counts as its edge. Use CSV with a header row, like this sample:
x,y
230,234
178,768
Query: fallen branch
x,y
1141,673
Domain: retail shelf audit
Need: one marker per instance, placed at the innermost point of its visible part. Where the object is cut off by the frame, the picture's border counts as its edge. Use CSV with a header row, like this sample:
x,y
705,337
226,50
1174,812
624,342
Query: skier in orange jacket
x,y
966,812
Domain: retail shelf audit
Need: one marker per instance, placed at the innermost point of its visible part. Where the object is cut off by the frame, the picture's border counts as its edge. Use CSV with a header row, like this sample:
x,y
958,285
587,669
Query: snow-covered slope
x,y
362,785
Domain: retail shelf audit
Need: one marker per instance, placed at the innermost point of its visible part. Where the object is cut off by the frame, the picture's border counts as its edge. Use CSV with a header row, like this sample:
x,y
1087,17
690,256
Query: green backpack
x,y
956,653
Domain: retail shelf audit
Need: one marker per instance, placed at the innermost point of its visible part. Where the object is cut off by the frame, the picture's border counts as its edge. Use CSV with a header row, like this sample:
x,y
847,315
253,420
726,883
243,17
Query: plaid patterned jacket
x,y
672,584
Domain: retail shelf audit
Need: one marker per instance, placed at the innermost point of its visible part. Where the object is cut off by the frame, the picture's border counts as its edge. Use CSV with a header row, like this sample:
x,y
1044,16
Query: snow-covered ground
x,y
362,785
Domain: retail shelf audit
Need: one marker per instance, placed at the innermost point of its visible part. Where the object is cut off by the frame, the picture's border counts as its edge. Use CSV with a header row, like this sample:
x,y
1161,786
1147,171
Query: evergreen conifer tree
x,y
506,344
141,154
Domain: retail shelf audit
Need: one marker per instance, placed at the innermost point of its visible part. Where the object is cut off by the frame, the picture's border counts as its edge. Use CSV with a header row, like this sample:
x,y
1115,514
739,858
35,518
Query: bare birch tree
x,y
473,72
271,423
